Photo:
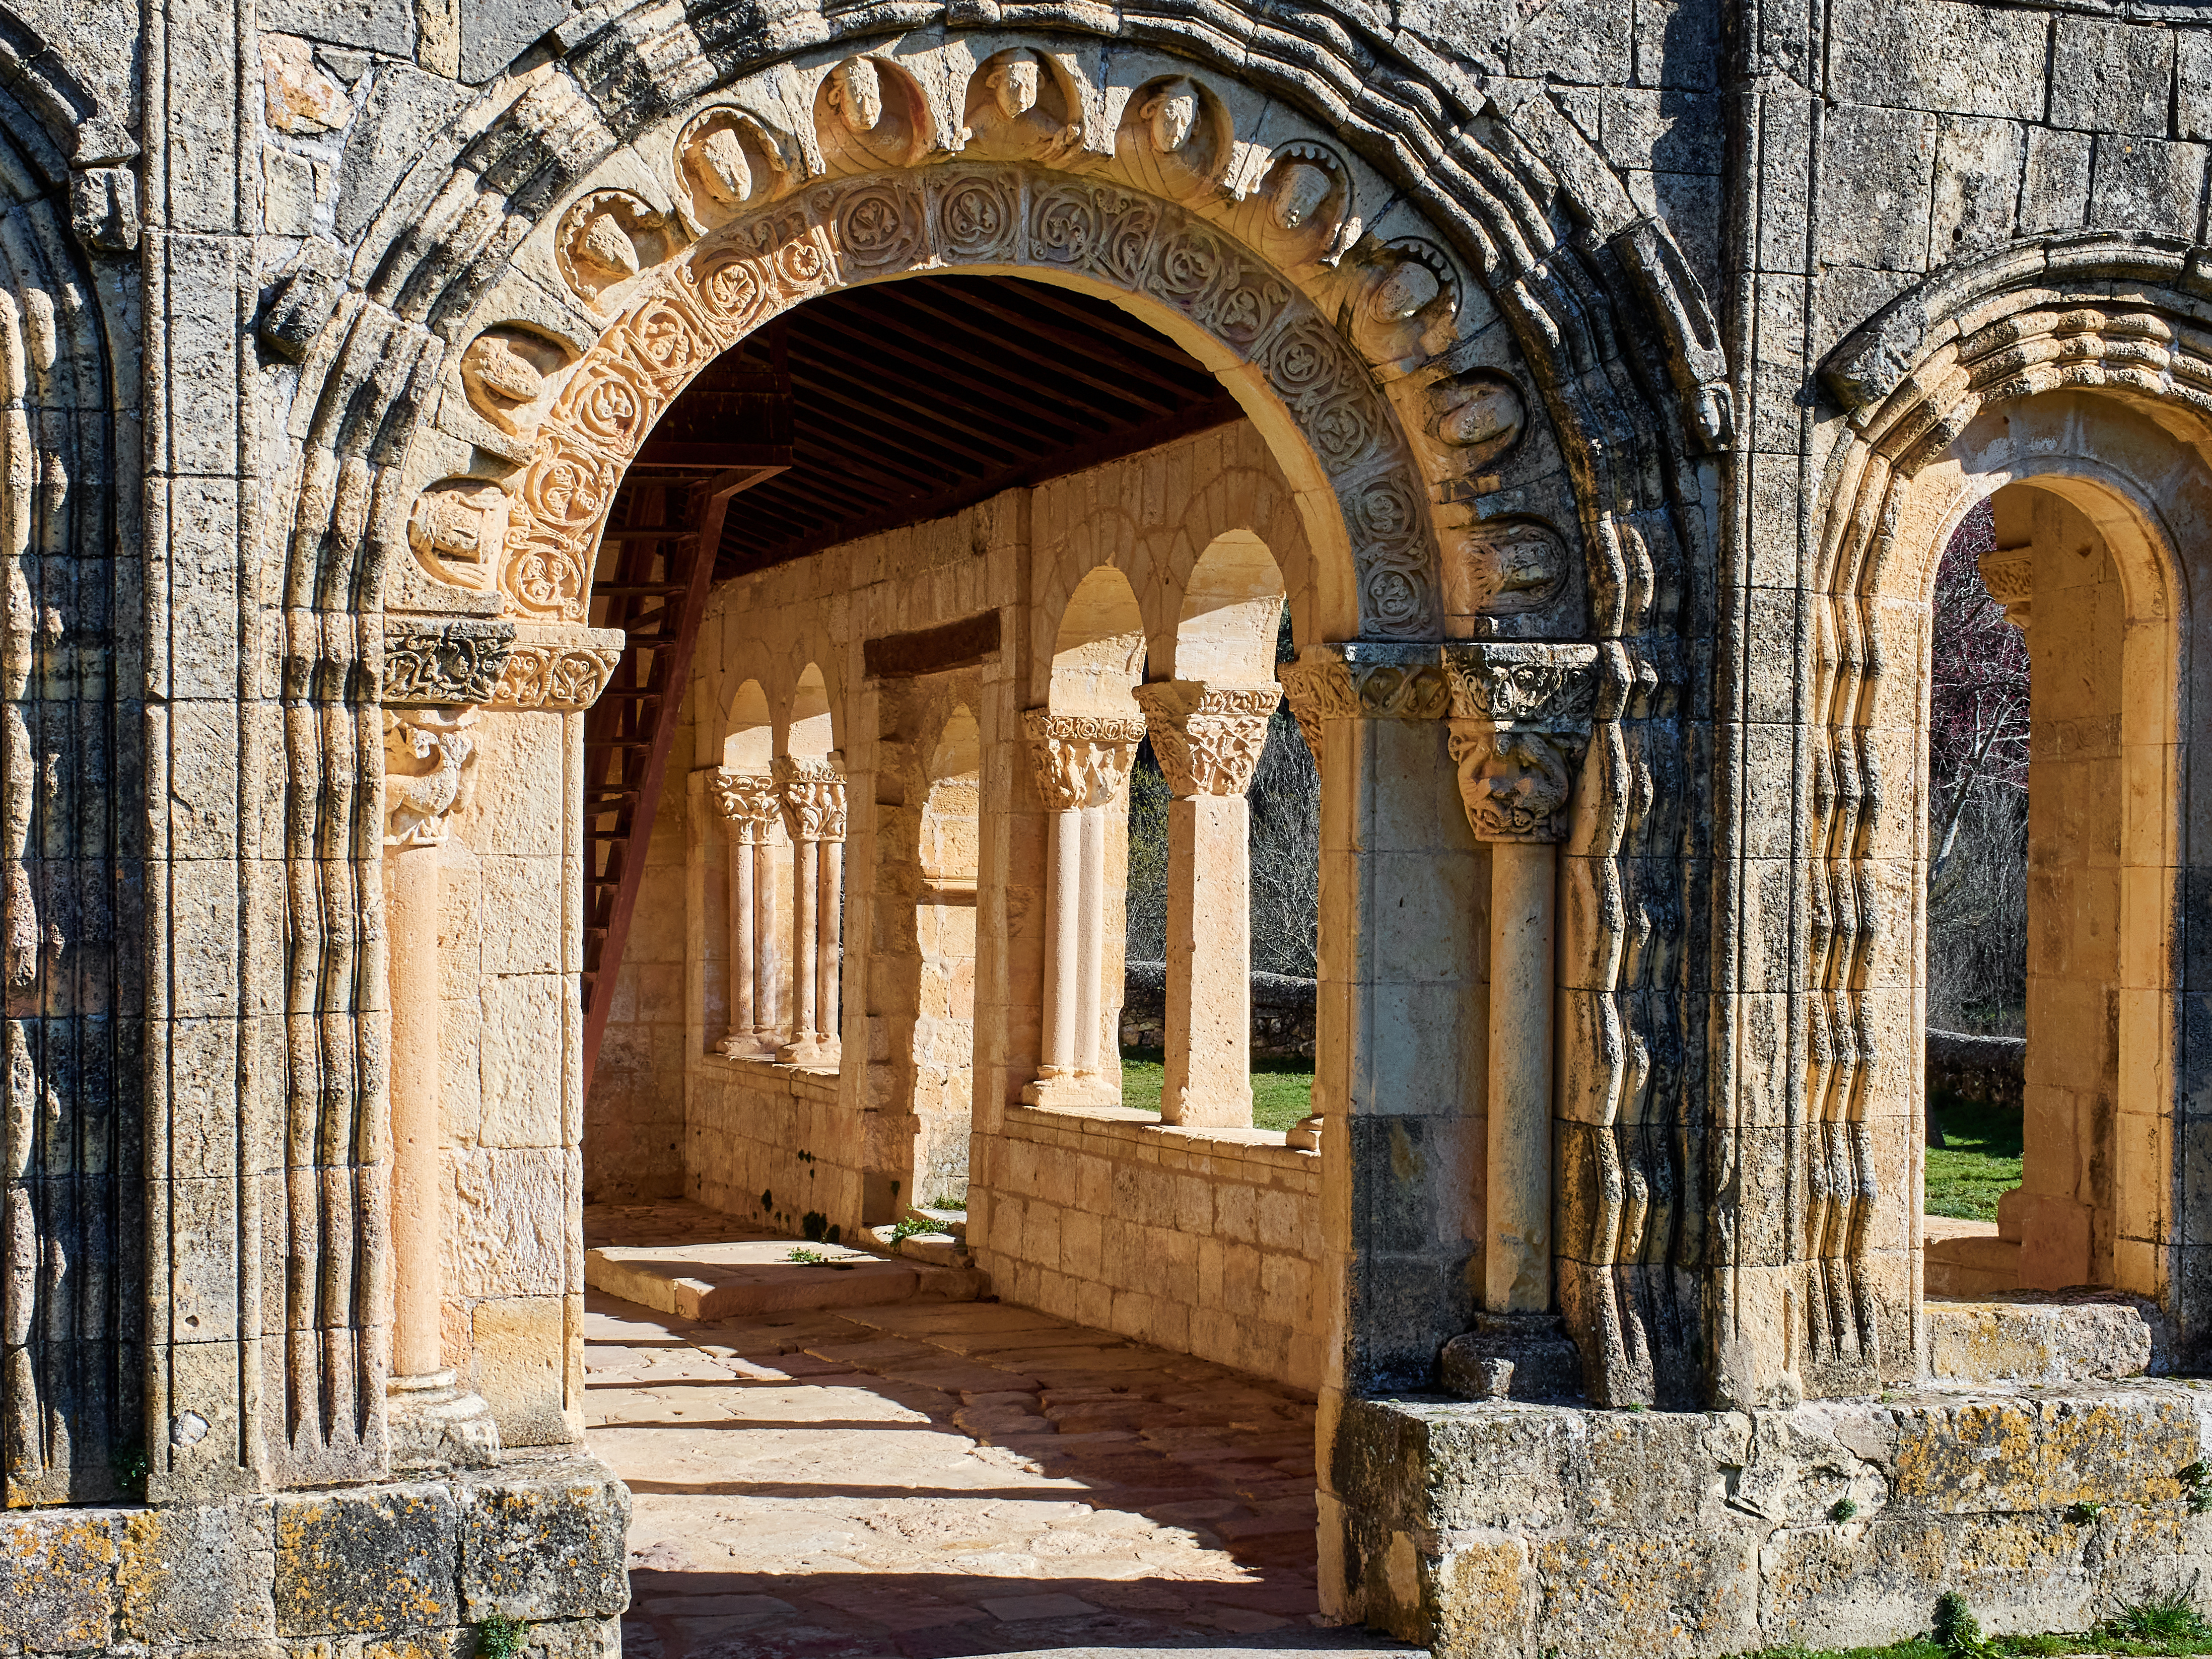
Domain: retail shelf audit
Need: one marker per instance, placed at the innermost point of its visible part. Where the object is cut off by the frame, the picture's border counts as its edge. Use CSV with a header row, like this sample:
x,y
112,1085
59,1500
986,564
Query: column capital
x,y
1356,680
747,801
429,770
1208,738
1521,717
2009,574
812,793
1081,760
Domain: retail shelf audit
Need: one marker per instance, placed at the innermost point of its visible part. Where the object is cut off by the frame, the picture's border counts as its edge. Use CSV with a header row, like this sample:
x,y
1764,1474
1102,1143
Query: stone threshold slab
x,y
751,1276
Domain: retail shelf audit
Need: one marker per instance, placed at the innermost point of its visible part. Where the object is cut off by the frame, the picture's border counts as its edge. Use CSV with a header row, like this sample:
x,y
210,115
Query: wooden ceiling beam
x,y
1068,356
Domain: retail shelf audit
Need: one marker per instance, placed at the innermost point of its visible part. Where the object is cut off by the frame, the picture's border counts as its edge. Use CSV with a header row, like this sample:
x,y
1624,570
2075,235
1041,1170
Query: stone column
x,y
1209,740
429,755
812,793
1519,720
747,802
1082,764
828,936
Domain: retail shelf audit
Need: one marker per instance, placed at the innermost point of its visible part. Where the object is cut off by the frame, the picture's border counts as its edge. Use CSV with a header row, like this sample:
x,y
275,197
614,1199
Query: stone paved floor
x,y
934,1479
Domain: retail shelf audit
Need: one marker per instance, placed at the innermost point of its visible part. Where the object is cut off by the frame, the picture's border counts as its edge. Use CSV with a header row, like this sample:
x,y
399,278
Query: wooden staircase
x,y
654,570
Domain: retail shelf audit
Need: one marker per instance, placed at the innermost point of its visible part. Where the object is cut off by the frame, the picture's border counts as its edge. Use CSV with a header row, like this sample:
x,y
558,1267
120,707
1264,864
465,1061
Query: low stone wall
x,y
406,1567
1524,1531
1196,1240
771,1145
1282,1011
1986,1068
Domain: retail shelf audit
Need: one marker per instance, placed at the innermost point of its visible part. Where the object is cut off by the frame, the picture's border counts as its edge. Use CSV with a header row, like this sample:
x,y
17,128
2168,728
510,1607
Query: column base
x,y
1304,1136
747,1045
1069,1088
1514,1356
433,1424
814,1055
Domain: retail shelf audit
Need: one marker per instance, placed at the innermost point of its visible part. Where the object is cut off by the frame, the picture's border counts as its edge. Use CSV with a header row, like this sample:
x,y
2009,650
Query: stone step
x,y
943,1249
758,1276
952,1222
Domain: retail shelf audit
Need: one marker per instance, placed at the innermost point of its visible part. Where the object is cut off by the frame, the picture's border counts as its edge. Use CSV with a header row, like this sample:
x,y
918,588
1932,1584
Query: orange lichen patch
x,y
1661,1592
2044,1454
63,1570
1471,1587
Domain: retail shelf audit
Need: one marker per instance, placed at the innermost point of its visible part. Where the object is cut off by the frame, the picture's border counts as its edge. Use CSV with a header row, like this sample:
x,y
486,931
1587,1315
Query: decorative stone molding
x,y
1208,738
811,794
430,763
1081,760
566,679
747,801
1520,719
1361,682
2009,574
443,663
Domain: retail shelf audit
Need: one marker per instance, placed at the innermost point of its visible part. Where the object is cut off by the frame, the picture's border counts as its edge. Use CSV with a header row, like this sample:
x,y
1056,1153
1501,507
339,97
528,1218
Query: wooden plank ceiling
x,y
911,400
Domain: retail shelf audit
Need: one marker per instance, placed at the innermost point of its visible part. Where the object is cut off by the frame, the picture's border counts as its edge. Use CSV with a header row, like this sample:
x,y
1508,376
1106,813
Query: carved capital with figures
x,y
1208,738
1356,681
1081,760
811,794
1519,720
429,765
747,801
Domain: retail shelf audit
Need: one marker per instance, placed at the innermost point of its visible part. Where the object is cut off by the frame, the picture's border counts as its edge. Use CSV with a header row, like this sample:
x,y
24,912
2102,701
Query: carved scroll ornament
x,y
1081,760
564,679
444,662
811,794
1519,720
1208,739
748,802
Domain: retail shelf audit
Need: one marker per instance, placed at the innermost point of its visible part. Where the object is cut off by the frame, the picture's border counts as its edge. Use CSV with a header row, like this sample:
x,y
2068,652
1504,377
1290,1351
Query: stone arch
x,y
1098,654
1989,379
1232,608
748,743
810,727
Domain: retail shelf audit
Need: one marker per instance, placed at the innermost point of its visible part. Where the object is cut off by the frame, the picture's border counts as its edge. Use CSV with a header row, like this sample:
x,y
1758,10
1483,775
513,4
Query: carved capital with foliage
x,y
1208,738
1081,760
813,795
747,801
1356,681
1519,720
430,766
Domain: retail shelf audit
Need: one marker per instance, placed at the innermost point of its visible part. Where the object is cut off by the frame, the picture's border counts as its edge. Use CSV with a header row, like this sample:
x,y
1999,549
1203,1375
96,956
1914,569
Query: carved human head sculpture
x,y
1410,286
1014,86
724,169
458,528
1301,191
1172,112
1486,411
856,93
605,245
499,379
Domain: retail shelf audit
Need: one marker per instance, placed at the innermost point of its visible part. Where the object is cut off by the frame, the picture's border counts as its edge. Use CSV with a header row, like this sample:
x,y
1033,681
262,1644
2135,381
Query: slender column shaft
x,y
1062,941
765,1009
417,1126
830,899
803,926
1209,963
1517,1261
743,1012
1091,944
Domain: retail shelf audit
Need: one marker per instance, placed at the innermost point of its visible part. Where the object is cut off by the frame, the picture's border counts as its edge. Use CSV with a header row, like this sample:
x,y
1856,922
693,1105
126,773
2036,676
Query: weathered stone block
x,y
544,1542
57,1572
198,1573
372,1560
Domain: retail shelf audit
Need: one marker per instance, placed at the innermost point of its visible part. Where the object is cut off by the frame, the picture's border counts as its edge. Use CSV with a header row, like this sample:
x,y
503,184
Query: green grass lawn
x,y
1981,1159
1282,1089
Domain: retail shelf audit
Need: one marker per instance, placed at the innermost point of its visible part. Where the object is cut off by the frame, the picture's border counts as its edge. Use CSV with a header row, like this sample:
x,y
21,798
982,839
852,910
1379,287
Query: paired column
x,y
429,756
1209,740
1082,764
812,796
749,803
1519,720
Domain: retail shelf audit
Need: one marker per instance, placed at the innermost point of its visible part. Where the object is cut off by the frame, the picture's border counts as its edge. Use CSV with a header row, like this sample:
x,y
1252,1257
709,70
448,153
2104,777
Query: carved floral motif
x,y
565,678
429,765
2009,574
811,794
1208,739
748,802
1081,760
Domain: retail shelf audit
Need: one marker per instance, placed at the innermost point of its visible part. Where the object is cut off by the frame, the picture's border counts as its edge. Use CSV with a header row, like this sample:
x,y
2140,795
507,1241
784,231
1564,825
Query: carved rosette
x,y
747,802
443,663
1081,760
429,765
811,794
1208,738
1519,720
